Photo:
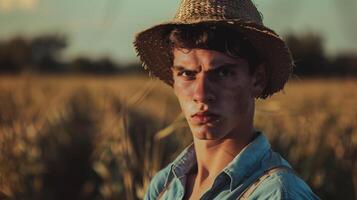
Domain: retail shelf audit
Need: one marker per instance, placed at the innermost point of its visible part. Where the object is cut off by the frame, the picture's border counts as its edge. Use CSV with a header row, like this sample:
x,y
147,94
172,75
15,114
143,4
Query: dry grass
x,y
314,125
104,137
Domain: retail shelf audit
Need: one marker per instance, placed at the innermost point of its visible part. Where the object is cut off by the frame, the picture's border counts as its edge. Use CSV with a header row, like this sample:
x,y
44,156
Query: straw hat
x,y
154,49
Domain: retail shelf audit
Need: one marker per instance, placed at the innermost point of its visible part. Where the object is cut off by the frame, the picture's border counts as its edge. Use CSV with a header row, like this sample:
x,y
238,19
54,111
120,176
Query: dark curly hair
x,y
218,38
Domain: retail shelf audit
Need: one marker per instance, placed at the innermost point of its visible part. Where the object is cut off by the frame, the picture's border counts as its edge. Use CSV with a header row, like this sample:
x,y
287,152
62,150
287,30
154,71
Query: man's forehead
x,y
193,58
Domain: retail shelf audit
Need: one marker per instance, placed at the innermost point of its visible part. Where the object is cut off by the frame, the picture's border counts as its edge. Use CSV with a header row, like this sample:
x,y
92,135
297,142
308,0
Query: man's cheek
x,y
185,105
239,103
188,107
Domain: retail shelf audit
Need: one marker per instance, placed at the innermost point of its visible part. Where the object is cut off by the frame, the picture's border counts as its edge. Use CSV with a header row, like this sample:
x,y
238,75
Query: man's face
x,y
216,92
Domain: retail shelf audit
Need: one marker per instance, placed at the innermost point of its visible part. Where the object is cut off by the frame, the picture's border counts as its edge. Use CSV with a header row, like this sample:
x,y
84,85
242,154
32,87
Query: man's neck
x,y
214,155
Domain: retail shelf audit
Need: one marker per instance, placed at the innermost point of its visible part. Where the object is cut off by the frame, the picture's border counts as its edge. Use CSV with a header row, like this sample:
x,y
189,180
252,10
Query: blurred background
x,y
80,119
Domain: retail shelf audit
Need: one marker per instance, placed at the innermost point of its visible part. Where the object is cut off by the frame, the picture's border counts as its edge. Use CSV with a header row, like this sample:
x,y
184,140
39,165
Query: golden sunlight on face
x,y
215,92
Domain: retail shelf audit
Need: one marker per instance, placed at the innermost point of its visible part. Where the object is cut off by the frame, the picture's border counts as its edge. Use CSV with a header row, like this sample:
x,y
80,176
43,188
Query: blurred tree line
x,y
44,54
311,60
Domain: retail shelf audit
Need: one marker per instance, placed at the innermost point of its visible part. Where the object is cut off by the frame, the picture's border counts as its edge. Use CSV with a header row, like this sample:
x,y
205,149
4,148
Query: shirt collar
x,y
185,161
182,164
247,161
241,167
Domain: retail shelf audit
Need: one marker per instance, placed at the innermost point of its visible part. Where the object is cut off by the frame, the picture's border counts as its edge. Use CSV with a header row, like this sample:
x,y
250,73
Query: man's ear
x,y
260,77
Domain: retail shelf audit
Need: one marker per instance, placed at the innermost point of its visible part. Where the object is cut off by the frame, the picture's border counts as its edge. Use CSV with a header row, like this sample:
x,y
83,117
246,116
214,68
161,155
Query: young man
x,y
219,57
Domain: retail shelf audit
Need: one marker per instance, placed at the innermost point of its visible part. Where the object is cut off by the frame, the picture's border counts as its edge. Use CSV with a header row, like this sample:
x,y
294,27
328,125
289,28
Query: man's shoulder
x,y
157,183
283,185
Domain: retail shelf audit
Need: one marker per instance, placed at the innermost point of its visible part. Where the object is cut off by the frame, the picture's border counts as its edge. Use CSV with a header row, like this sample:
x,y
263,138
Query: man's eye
x,y
187,74
225,72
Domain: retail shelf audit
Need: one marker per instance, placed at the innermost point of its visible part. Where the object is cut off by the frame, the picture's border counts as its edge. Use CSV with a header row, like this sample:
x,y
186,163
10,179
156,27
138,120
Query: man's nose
x,y
203,90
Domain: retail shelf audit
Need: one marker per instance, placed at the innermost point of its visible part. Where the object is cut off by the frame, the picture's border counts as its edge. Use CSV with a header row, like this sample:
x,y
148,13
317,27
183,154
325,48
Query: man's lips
x,y
204,117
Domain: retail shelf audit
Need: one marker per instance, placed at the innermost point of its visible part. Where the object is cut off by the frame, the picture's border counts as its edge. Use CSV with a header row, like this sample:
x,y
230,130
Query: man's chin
x,y
206,133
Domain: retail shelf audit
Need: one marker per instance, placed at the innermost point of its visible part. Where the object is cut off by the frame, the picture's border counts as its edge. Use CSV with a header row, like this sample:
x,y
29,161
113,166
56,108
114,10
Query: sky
x,y
99,28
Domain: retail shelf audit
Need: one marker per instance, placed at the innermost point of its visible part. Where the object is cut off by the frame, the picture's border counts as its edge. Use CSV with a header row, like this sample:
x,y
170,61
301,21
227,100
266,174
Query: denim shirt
x,y
255,158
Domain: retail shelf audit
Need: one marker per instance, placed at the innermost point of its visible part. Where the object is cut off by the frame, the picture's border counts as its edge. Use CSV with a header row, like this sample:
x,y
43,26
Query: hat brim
x,y
153,48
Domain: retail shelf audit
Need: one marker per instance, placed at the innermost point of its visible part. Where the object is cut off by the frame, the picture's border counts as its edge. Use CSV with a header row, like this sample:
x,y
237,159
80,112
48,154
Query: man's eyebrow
x,y
179,68
224,65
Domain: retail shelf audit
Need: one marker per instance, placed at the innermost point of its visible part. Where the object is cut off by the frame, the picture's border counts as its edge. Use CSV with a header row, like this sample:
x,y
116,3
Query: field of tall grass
x,y
82,137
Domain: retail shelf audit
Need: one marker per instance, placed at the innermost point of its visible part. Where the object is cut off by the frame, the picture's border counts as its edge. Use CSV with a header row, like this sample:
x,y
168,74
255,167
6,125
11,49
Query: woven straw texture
x,y
154,49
